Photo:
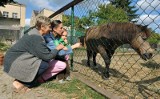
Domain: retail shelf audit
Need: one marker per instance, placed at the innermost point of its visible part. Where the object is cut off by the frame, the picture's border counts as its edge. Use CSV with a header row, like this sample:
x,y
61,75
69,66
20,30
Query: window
x,y
5,14
14,15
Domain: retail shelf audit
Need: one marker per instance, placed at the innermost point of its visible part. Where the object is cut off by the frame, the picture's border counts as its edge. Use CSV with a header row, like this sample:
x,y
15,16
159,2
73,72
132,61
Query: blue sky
x,y
148,10
40,4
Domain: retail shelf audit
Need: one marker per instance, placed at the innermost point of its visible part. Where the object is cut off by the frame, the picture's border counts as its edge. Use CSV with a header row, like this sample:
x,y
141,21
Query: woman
x,y
28,58
56,34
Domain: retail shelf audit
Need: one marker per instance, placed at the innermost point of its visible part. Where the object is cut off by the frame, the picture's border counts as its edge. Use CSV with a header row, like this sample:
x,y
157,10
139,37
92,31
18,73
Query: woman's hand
x,y
60,46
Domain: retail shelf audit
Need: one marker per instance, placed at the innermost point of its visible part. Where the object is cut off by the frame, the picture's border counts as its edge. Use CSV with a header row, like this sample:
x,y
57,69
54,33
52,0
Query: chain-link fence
x,y
130,75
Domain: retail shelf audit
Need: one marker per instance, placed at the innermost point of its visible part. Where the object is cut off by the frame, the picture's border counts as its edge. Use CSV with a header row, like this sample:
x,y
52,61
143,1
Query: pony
x,y
106,38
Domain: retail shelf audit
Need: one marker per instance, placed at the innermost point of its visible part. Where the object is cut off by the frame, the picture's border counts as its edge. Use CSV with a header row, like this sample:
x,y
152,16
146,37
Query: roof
x,y
15,3
35,12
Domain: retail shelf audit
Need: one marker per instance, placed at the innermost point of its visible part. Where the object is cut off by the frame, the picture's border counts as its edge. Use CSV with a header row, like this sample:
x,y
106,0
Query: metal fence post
x,y
72,30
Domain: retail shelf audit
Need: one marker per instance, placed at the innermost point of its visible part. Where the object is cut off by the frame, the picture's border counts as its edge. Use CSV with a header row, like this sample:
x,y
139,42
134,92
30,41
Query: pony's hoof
x,y
105,78
88,65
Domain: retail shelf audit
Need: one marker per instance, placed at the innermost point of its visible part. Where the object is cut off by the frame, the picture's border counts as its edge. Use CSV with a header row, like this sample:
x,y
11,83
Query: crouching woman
x,y
29,58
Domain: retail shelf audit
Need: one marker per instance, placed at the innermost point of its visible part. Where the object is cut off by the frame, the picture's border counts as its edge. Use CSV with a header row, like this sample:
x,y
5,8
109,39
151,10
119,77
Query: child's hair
x,y
65,29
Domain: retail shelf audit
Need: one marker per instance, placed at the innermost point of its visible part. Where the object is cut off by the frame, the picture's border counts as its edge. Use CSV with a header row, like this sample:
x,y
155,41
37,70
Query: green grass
x,y
75,87
4,47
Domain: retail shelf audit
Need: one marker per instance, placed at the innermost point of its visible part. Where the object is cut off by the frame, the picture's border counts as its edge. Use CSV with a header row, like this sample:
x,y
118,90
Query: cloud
x,y
49,4
152,20
148,19
148,5
27,22
41,4
84,7
60,2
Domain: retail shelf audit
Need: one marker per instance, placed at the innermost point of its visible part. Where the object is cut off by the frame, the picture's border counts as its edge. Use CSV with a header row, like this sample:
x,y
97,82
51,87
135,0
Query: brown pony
x,y
105,39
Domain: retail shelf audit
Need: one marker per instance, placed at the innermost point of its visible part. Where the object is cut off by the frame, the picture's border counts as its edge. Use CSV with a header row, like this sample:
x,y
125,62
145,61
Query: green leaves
x,y
109,13
127,7
154,39
3,2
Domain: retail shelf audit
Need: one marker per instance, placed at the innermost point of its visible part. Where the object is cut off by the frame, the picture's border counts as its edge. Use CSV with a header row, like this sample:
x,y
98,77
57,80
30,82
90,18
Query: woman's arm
x,y
39,48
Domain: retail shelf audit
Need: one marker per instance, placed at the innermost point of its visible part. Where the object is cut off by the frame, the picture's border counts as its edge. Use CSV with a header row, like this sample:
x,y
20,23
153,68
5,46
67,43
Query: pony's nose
x,y
148,55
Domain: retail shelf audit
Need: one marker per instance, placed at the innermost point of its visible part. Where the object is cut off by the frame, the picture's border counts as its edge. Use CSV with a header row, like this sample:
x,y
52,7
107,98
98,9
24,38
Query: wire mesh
x,y
130,75
9,36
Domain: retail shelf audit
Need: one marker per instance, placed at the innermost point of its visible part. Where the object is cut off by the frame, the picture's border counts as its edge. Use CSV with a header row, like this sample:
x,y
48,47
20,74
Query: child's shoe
x,y
61,81
68,78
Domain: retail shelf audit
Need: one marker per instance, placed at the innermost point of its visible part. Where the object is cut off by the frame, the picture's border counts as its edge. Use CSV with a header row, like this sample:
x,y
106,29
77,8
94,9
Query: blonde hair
x,y
65,30
42,21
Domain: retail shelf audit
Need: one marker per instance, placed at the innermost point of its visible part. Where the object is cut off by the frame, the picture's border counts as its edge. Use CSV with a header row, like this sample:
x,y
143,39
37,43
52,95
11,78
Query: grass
x,y
75,88
3,47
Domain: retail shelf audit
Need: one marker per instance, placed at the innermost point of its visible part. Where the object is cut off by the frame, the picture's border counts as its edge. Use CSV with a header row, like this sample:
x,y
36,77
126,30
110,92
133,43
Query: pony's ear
x,y
145,26
146,32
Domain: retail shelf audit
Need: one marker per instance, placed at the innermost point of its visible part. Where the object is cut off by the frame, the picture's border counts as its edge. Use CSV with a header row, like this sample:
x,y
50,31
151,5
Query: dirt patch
x,y
131,77
6,90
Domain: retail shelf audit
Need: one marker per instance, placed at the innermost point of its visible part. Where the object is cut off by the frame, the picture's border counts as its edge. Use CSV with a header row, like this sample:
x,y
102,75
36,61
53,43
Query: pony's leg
x,y
94,58
106,59
89,53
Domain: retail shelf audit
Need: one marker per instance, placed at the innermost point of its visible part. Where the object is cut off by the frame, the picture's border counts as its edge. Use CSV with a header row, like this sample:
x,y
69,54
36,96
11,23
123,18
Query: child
x,y
63,40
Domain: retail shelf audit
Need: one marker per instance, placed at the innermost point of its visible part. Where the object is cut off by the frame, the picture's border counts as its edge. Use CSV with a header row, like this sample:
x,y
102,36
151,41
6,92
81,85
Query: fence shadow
x,y
143,88
142,85
100,69
151,64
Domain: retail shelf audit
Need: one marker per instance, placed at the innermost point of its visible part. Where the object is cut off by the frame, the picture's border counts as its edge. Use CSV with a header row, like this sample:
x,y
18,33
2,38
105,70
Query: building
x,y
12,20
43,12
10,17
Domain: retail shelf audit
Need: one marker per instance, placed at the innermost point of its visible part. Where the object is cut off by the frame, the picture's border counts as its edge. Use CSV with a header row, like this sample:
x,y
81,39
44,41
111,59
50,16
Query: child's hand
x,y
65,48
77,45
66,41
60,46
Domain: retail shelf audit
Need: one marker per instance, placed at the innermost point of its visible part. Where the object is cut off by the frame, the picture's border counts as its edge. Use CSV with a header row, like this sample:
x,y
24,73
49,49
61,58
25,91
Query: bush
x,y
4,47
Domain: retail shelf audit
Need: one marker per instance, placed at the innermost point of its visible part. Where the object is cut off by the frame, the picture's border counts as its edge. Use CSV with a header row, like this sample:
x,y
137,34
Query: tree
x,y
88,20
109,13
126,6
77,22
66,19
104,14
3,2
154,38
85,21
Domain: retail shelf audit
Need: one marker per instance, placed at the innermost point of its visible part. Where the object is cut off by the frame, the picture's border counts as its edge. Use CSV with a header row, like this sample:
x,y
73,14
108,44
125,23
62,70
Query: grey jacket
x,y
23,59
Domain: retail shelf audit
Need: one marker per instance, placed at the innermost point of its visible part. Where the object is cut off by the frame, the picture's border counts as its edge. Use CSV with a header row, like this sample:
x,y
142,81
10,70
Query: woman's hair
x,y
55,23
42,20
